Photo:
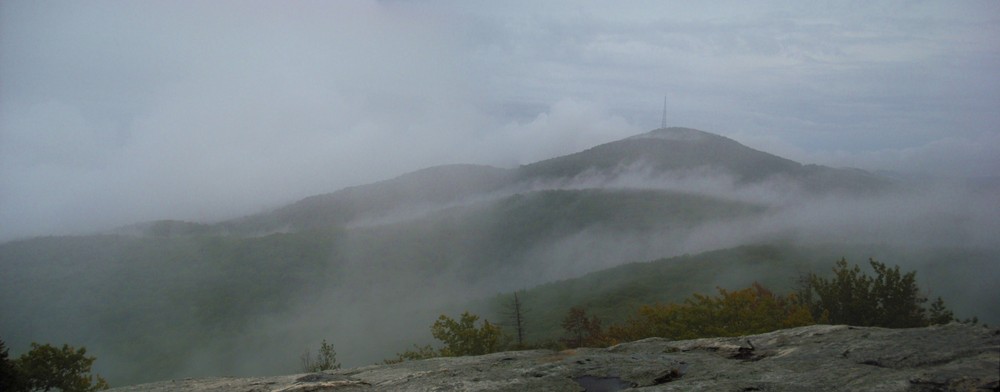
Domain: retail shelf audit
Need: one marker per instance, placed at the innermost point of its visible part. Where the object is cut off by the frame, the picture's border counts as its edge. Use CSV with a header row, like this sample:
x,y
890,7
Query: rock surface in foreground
x,y
820,357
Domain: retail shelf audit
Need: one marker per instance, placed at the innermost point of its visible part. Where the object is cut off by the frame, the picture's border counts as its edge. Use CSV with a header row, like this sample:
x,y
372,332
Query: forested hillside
x,y
616,293
368,268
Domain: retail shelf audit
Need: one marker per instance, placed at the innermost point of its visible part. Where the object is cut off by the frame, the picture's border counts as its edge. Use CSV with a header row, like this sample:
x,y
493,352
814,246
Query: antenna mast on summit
x,y
663,123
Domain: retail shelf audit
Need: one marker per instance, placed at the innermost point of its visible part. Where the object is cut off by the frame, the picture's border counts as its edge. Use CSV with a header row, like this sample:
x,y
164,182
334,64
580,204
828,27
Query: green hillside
x,y
146,304
425,188
659,151
616,293
678,149
370,267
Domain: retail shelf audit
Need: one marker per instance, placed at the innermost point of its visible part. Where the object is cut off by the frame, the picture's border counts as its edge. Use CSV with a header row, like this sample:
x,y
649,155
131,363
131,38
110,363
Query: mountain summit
x,y
678,134
684,149
660,153
668,149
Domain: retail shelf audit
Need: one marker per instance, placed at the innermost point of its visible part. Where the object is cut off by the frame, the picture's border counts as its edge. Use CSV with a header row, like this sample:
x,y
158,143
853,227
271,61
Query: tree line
x,y
889,298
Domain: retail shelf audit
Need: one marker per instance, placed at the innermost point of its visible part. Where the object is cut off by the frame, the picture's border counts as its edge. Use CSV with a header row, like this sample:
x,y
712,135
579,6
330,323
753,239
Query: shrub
x,y
418,353
326,359
462,337
890,299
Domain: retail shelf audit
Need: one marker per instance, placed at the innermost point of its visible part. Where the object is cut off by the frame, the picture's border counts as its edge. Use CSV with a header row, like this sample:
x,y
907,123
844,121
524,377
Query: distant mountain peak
x,y
661,152
677,134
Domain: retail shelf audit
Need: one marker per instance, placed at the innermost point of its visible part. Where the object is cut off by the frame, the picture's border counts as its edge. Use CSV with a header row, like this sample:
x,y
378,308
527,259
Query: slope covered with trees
x,y
885,298
377,262
615,295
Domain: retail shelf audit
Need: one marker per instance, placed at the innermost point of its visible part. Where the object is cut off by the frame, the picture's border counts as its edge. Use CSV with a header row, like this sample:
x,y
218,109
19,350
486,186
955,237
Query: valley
x,y
651,218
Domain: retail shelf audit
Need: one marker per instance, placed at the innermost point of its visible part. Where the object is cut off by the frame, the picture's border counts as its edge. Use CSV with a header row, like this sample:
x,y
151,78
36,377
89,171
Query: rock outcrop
x,y
820,357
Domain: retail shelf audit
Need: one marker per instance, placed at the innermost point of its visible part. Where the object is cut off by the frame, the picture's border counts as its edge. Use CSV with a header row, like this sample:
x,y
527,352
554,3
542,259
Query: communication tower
x,y
663,123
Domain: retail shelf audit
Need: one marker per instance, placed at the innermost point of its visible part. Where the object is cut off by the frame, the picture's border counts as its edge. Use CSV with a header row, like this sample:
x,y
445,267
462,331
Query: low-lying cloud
x,y
118,112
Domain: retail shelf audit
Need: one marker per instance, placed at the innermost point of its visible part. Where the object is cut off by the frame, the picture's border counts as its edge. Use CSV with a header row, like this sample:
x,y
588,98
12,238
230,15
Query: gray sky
x,y
113,112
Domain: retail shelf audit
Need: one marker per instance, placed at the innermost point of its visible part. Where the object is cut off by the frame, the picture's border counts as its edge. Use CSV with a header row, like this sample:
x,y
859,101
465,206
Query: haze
x,y
113,112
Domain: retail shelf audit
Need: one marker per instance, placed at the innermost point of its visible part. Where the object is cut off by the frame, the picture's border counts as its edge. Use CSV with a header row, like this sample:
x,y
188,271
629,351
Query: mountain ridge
x,y
370,266
685,152
663,150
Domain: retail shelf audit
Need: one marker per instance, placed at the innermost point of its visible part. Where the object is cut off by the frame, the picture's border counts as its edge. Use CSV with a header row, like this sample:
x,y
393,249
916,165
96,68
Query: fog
x,y
914,228
916,216
115,112
374,308
375,314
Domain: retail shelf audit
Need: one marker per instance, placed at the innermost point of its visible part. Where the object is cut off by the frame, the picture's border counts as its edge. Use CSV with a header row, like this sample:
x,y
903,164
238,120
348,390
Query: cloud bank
x,y
113,112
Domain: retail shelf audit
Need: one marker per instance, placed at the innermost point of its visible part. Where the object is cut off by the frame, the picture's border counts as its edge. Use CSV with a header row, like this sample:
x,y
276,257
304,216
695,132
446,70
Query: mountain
x,y
679,149
434,186
662,154
666,149
370,267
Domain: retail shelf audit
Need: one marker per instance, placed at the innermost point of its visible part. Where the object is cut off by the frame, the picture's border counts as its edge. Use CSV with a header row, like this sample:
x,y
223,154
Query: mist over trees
x,y
588,223
888,299
186,185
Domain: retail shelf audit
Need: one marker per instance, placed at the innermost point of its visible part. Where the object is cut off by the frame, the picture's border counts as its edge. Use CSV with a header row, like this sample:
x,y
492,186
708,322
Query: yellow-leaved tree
x,y
742,312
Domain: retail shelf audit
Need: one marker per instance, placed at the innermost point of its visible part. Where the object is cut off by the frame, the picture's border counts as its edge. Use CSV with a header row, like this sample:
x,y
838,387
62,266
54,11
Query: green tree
x,y
326,359
462,337
11,378
45,368
889,299
939,314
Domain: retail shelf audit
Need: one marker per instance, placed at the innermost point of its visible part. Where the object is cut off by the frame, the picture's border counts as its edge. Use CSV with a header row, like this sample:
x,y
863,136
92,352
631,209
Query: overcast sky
x,y
113,112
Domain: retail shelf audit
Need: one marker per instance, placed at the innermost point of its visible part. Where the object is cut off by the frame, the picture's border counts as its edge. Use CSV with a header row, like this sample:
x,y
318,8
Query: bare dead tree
x,y
515,315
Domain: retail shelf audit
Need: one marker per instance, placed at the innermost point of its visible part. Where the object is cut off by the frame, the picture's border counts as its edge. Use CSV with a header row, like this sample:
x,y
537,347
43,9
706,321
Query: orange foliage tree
x,y
743,312
582,331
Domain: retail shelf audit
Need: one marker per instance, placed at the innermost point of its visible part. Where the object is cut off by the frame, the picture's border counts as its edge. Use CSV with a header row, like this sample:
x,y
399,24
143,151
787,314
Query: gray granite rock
x,y
815,358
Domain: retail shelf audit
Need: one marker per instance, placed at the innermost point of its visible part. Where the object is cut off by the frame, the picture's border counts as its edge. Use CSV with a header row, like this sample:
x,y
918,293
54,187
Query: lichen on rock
x,y
816,358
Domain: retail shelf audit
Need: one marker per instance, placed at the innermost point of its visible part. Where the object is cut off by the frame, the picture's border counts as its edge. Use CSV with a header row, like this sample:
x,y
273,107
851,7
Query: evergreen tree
x,y
326,359
939,314
11,378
